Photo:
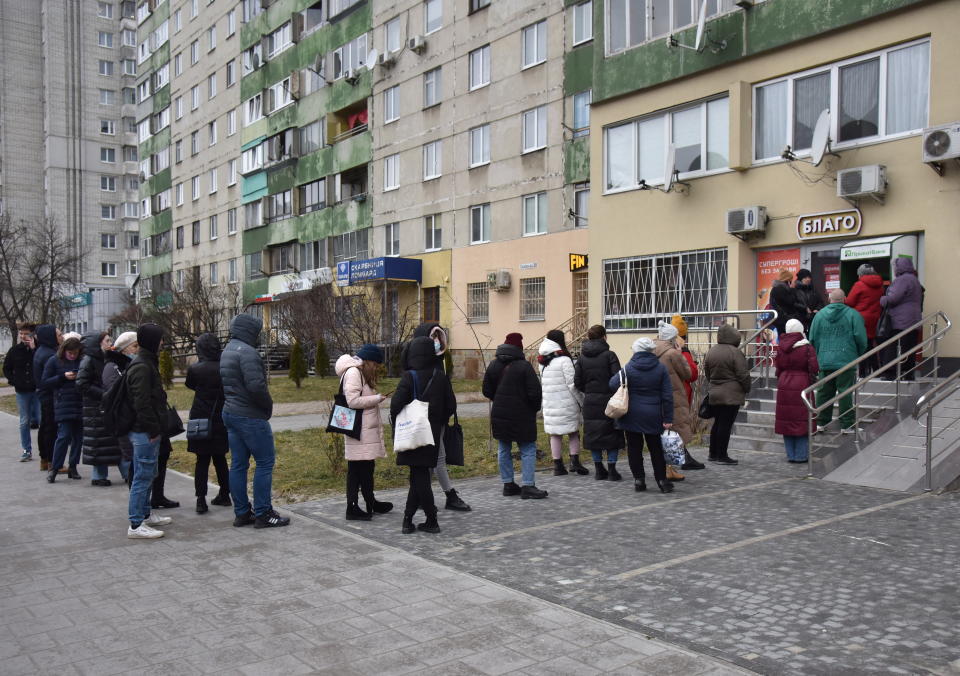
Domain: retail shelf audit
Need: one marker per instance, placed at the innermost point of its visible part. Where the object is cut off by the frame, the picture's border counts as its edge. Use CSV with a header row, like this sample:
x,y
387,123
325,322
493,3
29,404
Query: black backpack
x,y
116,409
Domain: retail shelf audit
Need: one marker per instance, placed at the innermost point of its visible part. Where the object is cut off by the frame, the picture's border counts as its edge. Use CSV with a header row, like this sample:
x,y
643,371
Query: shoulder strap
x,y
416,383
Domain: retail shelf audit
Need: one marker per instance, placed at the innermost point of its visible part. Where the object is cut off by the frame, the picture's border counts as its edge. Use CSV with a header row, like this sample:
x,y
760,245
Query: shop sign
x,y
869,251
376,269
76,300
829,224
578,262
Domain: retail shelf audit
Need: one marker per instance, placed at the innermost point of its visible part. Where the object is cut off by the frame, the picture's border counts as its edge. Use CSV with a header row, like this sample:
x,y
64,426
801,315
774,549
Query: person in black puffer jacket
x,y
432,386
116,361
100,448
48,339
511,383
59,379
18,370
203,378
592,373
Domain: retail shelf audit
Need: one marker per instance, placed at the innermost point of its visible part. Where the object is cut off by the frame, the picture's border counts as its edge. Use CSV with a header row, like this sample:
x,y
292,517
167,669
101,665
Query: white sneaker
x,y
851,430
143,532
821,429
157,520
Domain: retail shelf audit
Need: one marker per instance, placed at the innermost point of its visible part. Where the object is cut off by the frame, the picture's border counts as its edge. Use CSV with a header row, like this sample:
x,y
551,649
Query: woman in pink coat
x,y
797,369
359,377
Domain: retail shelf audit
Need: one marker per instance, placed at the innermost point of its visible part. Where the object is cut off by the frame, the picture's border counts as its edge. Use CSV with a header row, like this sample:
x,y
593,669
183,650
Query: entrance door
x,y
825,268
580,303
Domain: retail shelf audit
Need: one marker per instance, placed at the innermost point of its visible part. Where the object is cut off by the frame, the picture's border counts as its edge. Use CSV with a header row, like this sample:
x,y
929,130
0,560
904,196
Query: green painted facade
x,y
157,183
156,265
154,225
576,160
156,142
254,288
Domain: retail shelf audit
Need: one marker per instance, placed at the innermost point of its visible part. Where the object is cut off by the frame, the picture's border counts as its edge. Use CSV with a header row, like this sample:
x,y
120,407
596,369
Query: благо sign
x,y
829,224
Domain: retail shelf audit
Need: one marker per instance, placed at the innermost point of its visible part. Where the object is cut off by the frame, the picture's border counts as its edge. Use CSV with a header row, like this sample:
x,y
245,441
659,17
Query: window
x,y
432,153
232,271
432,15
311,81
279,206
178,107
476,5
231,22
583,22
581,113
635,152
212,178
251,8
639,291
279,40
351,245
279,96
194,8
535,129
105,39
129,66
214,274
279,147
108,97
104,10
178,21
211,85
311,138
194,143
252,110
880,95
391,172
480,223
161,77
480,67
391,104
195,188
129,95
391,35
232,221
108,155
132,267
535,214
180,280
231,122
180,237
312,18
252,56
213,227
231,172
108,269
391,239
632,22
431,88
313,254
432,233
105,67
212,133
131,210
533,299
194,52
108,127
178,151
129,38
195,233
252,159
178,64
534,44
133,240
350,56
129,154
231,76
313,196
340,6
211,38
581,201
479,145
108,241
478,302
194,97
108,183
430,305
143,91
179,194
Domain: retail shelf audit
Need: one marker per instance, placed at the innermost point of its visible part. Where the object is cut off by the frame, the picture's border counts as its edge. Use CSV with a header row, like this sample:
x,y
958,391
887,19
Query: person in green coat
x,y
839,336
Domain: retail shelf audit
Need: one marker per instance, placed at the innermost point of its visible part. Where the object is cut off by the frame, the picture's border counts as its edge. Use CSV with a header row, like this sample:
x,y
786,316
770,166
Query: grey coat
x,y
243,373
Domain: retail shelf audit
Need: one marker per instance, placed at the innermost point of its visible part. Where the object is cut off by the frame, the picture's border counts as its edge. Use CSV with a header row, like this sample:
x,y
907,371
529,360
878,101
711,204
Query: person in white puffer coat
x,y
562,401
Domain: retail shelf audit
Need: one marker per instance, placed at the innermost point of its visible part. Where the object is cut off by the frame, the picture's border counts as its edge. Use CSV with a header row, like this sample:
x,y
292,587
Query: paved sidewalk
x,y
77,597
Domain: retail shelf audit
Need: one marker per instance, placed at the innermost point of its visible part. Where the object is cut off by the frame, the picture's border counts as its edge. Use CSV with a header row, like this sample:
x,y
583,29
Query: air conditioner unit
x,y
386,60
498,280
417,44
746,219
869,181
941,143
350,75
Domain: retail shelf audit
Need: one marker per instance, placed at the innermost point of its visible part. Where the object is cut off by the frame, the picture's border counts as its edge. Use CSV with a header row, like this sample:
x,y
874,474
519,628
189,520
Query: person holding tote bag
x,y
203,378
426,382
359,377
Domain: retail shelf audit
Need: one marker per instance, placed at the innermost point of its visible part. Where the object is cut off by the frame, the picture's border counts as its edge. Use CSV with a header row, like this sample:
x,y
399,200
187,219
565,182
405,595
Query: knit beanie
x,y
681,325
643,345
71,334
149,337
666,331
803,273
125,340
514,339
370,352
794,326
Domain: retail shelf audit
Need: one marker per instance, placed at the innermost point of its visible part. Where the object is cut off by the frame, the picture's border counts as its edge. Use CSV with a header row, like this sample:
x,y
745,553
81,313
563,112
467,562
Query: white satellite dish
x,y
669,168
701,24
821,138
372,58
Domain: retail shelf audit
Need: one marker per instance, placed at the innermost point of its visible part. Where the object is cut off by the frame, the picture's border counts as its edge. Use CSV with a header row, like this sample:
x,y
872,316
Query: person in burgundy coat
x,y
797,369
865,298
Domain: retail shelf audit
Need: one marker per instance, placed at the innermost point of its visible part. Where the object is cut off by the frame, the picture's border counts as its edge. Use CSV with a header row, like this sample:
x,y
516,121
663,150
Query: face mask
x,y
436,346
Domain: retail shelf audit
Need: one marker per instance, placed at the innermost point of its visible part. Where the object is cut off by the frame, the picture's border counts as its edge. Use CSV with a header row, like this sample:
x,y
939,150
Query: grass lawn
x,y
310,463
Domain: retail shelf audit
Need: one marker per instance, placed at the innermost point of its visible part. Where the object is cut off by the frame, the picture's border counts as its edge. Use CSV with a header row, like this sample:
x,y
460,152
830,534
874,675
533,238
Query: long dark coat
x,y
592,373
797,369
99,446
203,378
512,384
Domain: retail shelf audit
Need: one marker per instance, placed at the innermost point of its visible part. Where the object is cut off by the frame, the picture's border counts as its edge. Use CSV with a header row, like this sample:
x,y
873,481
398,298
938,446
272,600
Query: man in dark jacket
x,y
246,413
47,340
786,301
808,296
18,370
149,402
511,383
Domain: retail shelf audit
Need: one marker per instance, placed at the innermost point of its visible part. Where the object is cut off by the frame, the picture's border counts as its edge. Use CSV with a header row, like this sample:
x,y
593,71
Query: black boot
x,y
559,469
51,476
455,503
354,513
601,473
378,507
408,526
430,525
222,500
163,503
73,473
202,505
689,462
532,493
665,486
612,470
575,466
639,485
511,489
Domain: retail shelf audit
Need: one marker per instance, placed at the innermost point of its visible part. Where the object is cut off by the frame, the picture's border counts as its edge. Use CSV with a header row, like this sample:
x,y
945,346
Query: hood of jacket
x,y
91,345
149,337
903,266
644,361
345,362
593,348
834,312
208,347
420,356
116,357
47,335
433,330
508,353
789,341
548,347
662,346
728,335
873,281
246,328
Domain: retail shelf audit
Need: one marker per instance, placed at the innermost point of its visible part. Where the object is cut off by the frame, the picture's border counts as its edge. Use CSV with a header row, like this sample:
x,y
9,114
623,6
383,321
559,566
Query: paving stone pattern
x,y
78,597
759,586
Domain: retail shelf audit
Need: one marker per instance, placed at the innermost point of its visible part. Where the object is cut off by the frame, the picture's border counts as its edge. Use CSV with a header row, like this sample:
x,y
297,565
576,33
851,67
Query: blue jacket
x,y
46,348
242,372
67,400
651,395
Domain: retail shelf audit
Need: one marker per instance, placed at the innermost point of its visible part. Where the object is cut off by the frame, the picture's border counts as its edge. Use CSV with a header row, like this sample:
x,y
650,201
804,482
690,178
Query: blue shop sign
x,y
377,269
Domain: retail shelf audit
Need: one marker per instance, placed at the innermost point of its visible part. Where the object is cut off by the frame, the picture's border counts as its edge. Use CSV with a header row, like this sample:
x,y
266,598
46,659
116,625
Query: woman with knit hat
x,y
592,373
668,353
562,401
680,325
797,368
116,361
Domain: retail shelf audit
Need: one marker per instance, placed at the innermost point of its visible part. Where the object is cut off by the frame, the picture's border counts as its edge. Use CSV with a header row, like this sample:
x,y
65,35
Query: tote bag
x,y
620,400
672,448
453,442
412,429
343,419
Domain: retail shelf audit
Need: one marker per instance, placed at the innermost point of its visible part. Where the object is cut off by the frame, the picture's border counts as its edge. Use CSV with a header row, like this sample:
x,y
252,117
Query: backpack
x,y
115,408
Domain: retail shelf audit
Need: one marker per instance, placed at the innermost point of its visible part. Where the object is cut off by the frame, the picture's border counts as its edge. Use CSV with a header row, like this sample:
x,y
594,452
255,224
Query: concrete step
x,y
768,444
865,405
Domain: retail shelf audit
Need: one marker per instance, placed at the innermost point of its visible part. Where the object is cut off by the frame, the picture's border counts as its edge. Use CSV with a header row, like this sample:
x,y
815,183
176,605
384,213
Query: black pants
x,y
723,419
203,469
421,493
157,493
908,363
635,455
870,364
360,480
47,433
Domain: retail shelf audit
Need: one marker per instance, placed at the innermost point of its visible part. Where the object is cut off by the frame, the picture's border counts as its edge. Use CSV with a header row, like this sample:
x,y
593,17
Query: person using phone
x,y
59,378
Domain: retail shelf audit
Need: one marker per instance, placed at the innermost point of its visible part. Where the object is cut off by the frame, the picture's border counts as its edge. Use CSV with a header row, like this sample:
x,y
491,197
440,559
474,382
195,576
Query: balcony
x,y
347,122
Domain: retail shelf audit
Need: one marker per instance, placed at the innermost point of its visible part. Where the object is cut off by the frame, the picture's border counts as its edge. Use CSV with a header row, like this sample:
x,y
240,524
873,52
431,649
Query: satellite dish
x,y
669,168
318,64
372,58
821,138
701,24
255,60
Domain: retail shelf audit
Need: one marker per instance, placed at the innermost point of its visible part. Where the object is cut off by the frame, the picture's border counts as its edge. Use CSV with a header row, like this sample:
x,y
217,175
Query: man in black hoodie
x,y
18,370
48,339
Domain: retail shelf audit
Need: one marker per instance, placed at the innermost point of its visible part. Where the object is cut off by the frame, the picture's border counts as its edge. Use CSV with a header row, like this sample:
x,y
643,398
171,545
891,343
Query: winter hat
x,y
666,331
643,345
865,269
370,352
785,275
681,325
794,326
71,334
125,340
514,339
803,273
149,337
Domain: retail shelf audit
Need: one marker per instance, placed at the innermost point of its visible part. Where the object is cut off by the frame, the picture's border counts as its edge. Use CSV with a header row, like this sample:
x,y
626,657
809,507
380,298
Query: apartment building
x,y
68,140
802,134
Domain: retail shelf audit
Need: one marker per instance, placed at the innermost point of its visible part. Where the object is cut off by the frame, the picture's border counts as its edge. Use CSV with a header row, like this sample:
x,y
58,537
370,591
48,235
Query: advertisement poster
x,y
831,276
769,264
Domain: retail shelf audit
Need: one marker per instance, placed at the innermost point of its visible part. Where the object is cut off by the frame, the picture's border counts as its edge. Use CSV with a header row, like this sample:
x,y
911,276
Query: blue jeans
x,y
28,405
145,453
99,472
125,467
250,437
611,456
528,462
797,447
69,433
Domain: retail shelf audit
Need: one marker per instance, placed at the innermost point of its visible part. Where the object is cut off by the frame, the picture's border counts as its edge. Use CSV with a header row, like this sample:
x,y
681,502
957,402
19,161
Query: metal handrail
x,y
924,406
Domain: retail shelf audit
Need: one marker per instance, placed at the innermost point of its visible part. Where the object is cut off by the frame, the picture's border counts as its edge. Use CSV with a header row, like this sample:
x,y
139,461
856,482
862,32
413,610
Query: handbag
x,y
201,429
412,427
673,453
706,410
884,326
453,443
174,425
343,419
619,400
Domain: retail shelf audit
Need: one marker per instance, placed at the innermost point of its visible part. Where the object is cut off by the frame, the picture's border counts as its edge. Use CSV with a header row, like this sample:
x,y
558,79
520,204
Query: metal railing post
x,y
928,479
